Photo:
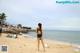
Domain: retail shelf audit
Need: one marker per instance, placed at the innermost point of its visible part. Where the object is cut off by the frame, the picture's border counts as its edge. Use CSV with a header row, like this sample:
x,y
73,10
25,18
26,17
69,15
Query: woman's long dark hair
x,y
40,25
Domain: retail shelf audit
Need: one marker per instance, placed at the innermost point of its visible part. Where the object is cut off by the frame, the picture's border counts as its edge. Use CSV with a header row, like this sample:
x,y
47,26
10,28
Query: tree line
x,y
3,21
2,18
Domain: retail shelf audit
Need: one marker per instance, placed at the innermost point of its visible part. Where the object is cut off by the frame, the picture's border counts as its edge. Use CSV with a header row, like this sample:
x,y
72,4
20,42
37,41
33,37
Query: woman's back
x,y
39,31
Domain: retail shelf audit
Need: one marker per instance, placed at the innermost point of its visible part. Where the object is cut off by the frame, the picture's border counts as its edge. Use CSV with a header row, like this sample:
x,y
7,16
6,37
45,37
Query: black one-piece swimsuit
x,y
39,34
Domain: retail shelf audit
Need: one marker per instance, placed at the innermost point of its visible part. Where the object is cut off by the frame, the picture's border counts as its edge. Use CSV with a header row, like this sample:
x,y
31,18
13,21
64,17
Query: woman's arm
x,y
41,31
37,30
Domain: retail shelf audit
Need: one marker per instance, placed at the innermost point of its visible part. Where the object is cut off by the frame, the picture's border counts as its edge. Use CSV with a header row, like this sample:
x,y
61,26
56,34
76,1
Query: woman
x,y
39,35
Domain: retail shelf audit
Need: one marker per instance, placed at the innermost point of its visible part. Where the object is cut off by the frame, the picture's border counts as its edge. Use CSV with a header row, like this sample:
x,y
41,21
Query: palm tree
x,y
2,18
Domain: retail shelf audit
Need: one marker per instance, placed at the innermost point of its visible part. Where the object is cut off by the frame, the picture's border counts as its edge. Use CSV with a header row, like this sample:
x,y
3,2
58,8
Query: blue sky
x,y
51,14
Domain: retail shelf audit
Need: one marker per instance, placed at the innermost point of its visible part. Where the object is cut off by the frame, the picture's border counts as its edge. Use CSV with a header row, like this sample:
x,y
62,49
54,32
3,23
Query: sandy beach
x,y
29,45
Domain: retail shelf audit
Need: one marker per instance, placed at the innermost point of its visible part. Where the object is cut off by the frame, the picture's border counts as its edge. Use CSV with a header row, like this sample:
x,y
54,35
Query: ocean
x,y
72,37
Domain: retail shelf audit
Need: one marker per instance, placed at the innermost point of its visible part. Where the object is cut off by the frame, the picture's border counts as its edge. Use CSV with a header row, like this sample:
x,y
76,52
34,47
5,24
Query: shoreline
x,y
61,42
28,44
76,47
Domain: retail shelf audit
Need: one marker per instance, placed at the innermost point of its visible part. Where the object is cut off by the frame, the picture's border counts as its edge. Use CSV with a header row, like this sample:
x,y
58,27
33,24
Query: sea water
x,y
60,35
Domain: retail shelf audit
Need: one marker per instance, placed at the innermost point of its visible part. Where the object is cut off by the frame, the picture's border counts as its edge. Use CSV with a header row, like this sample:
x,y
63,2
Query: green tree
x,y
2,18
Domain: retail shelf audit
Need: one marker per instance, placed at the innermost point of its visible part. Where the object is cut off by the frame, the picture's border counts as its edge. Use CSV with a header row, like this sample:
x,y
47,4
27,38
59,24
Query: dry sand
x,y
29,45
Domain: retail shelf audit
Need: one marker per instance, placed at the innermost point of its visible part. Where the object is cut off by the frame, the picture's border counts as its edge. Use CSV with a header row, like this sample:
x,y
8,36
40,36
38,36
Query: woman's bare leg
x,y
42,44
38,43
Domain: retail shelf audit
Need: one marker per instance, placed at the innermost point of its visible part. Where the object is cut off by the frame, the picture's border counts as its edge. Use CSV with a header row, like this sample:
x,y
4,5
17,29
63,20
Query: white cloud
x,y
27,10
43,4
64,24
71,22
19,6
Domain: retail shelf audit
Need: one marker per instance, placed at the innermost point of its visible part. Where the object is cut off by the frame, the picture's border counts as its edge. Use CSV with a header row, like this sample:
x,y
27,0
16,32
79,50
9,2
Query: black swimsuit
x,y
39,34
